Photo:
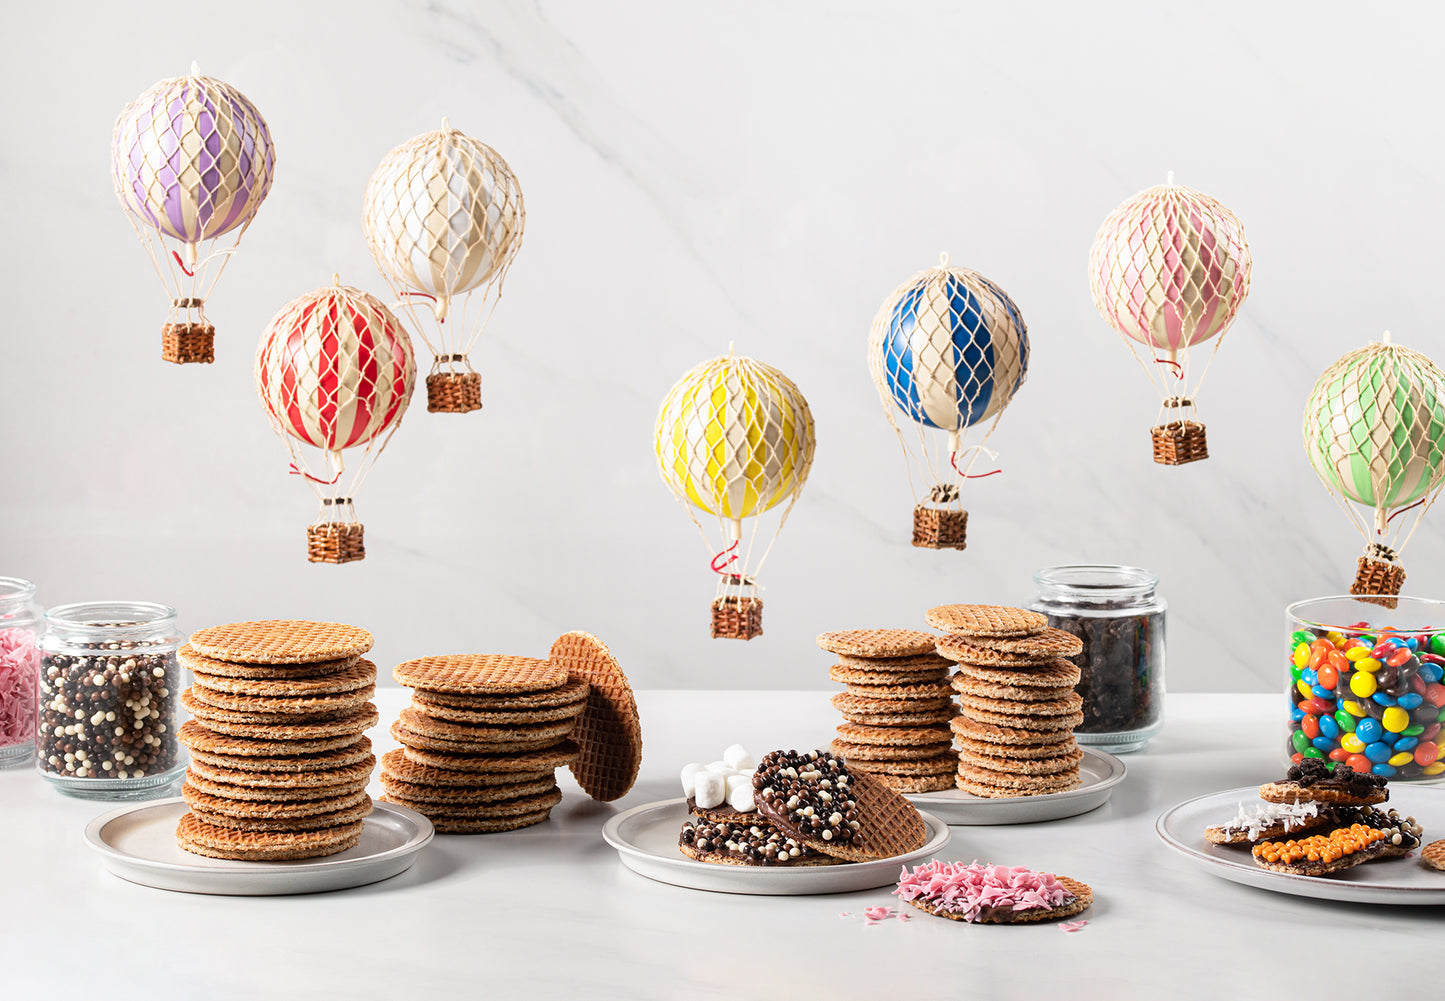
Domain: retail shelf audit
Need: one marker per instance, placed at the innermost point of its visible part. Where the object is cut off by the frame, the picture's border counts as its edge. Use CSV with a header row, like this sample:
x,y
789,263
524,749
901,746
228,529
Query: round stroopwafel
x,y
911,784
281,641
1013,693
849,702
267,809
1052,674
397,767
976,749
479,674
608,732
462,795
200,838
317,820
442,711
418,722
1053,765
361,674
358,750
851,752
493,825
1047,642
273,794
297,707
1023,711
997,785
929,718
571,691
517,806
939,764
198,737
1038,724
922,676
888,824
960,648
1433,854
924,662
213,715
985,620
491,764
894,736
320,779
198,664
1014,734
1083,897
350,724
925,690
877,643
410,738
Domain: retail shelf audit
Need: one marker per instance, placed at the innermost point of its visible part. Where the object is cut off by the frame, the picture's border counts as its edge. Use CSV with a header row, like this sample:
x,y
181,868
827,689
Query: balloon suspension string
x,y
298,471
976,450
1400,512
1178,369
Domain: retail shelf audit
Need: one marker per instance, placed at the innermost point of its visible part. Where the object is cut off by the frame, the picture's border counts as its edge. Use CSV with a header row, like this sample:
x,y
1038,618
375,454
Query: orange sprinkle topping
x,y
1320,847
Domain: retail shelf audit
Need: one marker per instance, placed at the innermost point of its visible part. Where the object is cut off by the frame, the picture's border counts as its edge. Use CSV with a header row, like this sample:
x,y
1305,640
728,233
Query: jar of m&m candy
x,y
1365,685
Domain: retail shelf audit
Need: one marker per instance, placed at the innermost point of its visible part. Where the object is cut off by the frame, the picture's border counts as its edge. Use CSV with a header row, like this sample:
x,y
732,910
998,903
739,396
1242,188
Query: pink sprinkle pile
x,y
968,889
19,671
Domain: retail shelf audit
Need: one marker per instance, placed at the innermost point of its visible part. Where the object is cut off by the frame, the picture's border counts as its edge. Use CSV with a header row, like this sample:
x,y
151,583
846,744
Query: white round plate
x,y
646,840
1388,881
138,843
1101,773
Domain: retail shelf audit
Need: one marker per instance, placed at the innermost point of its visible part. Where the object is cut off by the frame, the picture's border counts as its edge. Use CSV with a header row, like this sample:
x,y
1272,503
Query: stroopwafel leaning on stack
x,y
279,760
896,707
1017,708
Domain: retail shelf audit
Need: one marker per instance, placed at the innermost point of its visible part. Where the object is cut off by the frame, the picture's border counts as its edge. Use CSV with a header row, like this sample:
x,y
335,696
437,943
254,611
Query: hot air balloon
x,y
1374,430
735,439
948,350
335,371
192,161
1169,270
444,215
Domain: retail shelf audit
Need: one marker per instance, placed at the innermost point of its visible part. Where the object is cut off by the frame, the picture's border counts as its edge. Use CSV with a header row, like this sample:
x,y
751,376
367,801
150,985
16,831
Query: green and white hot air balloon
x,y
1374,430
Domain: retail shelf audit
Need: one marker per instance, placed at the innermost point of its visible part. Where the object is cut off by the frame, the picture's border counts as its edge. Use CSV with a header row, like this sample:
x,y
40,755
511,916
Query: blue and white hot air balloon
x,y
948,349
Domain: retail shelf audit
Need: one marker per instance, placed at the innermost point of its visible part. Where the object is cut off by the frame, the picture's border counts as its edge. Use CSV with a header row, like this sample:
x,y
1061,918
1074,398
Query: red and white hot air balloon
x,y
335,370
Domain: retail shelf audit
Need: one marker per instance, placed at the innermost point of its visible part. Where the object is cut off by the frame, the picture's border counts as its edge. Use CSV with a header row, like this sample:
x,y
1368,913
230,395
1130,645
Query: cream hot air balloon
x,y
734,440
444,216
1169,270
1374,431
191,160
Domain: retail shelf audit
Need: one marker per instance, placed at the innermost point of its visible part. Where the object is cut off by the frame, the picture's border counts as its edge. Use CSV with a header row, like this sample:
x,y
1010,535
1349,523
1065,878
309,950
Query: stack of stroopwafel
x,y
1017,705
896,707
279,764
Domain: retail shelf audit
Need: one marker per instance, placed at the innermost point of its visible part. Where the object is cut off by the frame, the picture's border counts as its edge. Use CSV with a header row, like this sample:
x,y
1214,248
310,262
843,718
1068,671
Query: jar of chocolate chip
x,y
20,628
1119,615
109,690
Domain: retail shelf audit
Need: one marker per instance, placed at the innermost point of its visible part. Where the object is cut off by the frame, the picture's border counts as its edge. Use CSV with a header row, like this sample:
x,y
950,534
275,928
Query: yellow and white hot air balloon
x,y
735,439
444,216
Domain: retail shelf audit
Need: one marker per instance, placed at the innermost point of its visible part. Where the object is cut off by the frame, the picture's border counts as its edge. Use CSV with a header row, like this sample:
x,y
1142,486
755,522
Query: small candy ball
x,y
1395,719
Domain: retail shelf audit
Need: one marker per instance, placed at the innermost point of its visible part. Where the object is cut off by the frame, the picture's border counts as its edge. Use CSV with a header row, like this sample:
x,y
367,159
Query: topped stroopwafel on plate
x,y
281,641
985,620
877,643
608,731
479,673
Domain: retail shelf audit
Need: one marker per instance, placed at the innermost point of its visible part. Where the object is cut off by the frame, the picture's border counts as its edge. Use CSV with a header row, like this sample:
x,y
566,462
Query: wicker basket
x,y
737,618
1376,577
453,392
935,528
1179,442
187,343
335,543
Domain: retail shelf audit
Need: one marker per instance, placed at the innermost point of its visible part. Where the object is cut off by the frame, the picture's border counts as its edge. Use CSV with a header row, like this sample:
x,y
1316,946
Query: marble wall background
x,y
760,172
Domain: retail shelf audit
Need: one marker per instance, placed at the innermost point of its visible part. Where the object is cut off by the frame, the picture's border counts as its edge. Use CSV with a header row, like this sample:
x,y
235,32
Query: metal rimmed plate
x,y
1101,773
646,840
1388,881
138,843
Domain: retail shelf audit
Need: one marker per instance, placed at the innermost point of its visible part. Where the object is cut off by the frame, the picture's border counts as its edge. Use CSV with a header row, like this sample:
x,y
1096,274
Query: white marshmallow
x,y
689,772
738,780
740,798
738,757
710,788
721,767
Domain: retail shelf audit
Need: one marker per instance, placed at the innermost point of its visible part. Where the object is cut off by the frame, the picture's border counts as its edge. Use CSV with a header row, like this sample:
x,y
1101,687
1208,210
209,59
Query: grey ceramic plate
x,y
138,843
1101,773
646,840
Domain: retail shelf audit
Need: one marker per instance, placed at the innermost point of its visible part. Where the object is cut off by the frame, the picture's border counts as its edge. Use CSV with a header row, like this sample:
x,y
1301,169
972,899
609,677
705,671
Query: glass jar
x,y
1365,684
20,629
1119,616
110,686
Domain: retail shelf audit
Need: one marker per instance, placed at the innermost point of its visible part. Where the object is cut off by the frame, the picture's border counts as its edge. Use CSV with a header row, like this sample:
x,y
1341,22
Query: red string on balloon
x,y
433,298
1178,368
313,479
182,264
718,568
953,461
1399,512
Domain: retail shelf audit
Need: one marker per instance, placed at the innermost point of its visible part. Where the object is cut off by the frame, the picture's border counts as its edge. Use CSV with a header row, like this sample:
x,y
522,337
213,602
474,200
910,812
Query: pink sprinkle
x,y
877,913
844,914
19,670
1072,925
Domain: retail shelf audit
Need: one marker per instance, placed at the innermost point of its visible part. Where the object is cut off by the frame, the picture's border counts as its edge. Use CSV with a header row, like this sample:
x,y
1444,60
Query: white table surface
x,y
550,911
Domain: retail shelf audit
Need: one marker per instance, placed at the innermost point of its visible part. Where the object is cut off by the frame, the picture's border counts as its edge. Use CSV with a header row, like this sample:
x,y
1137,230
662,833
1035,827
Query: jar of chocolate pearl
x,y
1118,613
20,627
109,693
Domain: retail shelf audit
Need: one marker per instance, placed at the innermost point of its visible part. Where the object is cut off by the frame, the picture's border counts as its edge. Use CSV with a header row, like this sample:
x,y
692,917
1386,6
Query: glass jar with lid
x,y
1119,615
110,689
20,628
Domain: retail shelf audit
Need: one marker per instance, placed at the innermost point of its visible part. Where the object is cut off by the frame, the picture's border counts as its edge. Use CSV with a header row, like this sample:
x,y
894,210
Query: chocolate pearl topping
x,y
812,791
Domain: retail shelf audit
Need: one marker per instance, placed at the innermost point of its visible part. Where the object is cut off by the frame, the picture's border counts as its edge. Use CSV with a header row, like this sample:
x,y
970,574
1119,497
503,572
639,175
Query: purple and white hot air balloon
x,y
192,161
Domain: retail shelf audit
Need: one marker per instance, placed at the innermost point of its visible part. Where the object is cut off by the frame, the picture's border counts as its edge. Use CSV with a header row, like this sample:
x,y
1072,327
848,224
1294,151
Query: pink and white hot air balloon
x,y
335,370
1169,270
191,160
